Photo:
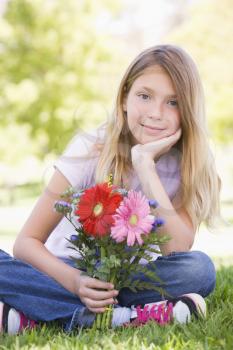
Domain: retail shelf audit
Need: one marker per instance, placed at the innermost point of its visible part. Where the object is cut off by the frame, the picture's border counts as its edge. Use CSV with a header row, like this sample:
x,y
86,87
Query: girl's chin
x,y
144,138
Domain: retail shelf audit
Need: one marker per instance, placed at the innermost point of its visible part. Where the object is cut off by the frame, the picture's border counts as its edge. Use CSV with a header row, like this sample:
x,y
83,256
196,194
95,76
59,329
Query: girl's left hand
x,y
153,150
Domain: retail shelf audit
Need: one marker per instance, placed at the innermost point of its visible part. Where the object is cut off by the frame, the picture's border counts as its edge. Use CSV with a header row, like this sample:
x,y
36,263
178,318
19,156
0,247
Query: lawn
x,y
215,332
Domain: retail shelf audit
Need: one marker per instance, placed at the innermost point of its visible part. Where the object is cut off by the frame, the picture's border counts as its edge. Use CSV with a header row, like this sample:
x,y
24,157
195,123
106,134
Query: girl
x,y
156,142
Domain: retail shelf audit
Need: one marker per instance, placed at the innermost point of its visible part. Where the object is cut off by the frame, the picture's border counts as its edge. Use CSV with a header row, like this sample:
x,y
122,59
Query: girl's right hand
x,y
95,294
153,150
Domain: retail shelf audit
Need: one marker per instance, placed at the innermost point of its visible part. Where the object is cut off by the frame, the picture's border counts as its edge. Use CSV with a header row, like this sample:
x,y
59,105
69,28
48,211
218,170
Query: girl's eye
x,y
144,96
173,103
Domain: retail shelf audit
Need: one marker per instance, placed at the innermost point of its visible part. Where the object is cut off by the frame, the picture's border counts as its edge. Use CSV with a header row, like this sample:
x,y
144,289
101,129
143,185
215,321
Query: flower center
x,y
98,209
133,219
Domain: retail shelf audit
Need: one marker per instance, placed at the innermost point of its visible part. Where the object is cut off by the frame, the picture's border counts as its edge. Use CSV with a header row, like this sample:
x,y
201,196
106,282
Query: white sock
x,y
181,312
13,321
120,315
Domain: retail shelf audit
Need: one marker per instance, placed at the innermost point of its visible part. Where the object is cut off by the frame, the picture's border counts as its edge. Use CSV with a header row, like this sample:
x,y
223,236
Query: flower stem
x,y
98,321
110,308
104,320
103,323
102,253
109,316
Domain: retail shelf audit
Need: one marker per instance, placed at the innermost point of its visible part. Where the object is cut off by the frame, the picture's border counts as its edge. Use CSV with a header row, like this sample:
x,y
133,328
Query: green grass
x,y
216,332
213,333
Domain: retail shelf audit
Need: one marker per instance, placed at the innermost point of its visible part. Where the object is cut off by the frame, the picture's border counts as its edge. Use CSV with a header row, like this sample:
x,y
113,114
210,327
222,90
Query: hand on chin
x,y
148,138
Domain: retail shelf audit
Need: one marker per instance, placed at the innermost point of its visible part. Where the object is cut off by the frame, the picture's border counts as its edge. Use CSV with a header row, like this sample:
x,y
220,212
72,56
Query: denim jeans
x,y
41,298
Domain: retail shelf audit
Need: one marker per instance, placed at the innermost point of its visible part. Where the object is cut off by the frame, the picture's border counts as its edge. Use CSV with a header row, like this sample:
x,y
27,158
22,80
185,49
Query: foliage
x,y
54,69
129,260
103,253
206,33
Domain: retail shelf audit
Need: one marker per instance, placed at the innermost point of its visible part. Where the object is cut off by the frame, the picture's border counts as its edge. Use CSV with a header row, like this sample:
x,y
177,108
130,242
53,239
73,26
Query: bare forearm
x,y
181,236
32,251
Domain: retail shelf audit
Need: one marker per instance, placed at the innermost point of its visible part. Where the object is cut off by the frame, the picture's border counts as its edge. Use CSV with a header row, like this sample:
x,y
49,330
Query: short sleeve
x,y
78,161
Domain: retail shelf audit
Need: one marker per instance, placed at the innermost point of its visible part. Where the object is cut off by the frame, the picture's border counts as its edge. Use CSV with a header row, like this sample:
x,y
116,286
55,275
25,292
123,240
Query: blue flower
x,y
63,207
153,203
98,264
77,195
73,238
97,252
158,222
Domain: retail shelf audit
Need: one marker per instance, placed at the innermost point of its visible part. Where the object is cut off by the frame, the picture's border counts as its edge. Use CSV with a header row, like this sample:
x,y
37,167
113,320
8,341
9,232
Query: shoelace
x,y
162,314
25,323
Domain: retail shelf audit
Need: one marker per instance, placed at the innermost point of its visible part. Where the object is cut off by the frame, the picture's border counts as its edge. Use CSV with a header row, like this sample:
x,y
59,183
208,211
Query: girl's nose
x,y
156,111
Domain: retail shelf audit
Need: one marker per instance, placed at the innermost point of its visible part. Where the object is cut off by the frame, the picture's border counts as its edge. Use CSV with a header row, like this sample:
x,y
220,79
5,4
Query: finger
x,y
97,310
161,142
98,303
174,136
97,284
100,295
177,135
164,141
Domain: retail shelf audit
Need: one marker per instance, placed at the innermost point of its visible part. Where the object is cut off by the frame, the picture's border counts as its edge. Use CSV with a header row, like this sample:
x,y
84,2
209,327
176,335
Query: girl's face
x,y
152,107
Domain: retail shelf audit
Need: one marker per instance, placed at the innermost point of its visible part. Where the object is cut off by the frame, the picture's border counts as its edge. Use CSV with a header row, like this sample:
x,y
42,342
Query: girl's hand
x,y
95,294
153,150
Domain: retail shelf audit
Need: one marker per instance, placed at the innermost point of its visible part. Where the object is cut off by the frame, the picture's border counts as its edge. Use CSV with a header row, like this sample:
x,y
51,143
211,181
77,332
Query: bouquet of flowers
x,y
115,230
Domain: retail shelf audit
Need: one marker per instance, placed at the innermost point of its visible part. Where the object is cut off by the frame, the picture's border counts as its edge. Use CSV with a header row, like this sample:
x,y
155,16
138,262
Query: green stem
x,y
100,317
71,222
137,258
102,253
110,308
109,316
103,323
98,321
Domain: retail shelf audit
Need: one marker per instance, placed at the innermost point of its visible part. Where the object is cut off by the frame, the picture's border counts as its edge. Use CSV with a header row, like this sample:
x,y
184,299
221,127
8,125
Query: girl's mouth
x,y
152,129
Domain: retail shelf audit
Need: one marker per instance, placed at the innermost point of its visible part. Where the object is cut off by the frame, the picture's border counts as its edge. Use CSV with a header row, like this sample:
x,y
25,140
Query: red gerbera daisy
x,y
96,208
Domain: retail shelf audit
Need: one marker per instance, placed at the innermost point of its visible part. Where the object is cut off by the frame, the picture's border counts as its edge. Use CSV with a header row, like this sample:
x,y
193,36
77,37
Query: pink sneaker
x,y
163,312
13,321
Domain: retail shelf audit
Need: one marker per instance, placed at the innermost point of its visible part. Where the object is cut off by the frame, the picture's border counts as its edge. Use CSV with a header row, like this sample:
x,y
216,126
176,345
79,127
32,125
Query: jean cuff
x,y
82,317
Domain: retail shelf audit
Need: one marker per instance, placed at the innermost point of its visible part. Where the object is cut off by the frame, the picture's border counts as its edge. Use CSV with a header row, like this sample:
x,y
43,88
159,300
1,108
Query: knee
x,y
202,272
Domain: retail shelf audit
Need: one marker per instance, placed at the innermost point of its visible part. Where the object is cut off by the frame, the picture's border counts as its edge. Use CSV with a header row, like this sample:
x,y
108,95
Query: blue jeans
x,y
41,298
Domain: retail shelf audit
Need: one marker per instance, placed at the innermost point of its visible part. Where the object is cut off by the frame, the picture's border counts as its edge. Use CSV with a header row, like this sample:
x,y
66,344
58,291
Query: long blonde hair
x,y
200,184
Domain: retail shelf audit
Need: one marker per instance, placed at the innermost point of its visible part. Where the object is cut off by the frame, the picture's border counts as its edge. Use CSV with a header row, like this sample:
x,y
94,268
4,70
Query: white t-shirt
x,y
79,170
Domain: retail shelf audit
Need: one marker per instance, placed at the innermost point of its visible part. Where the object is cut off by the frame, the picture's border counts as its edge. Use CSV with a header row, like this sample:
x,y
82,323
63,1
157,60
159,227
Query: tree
x,y
54,69
207,35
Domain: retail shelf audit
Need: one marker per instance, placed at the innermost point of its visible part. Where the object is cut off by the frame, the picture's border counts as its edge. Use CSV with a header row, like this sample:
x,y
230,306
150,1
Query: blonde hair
x,y
200,184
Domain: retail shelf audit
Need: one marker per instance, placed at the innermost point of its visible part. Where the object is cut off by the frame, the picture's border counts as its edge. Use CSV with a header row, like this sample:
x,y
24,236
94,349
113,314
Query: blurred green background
x,y
60,65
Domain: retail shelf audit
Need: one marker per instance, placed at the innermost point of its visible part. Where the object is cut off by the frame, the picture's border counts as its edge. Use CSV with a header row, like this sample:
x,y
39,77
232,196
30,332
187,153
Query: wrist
x,y
68,277
145,163
75,276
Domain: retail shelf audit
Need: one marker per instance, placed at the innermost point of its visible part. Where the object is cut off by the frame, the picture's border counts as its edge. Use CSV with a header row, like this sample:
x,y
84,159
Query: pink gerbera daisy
x,y
132,219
